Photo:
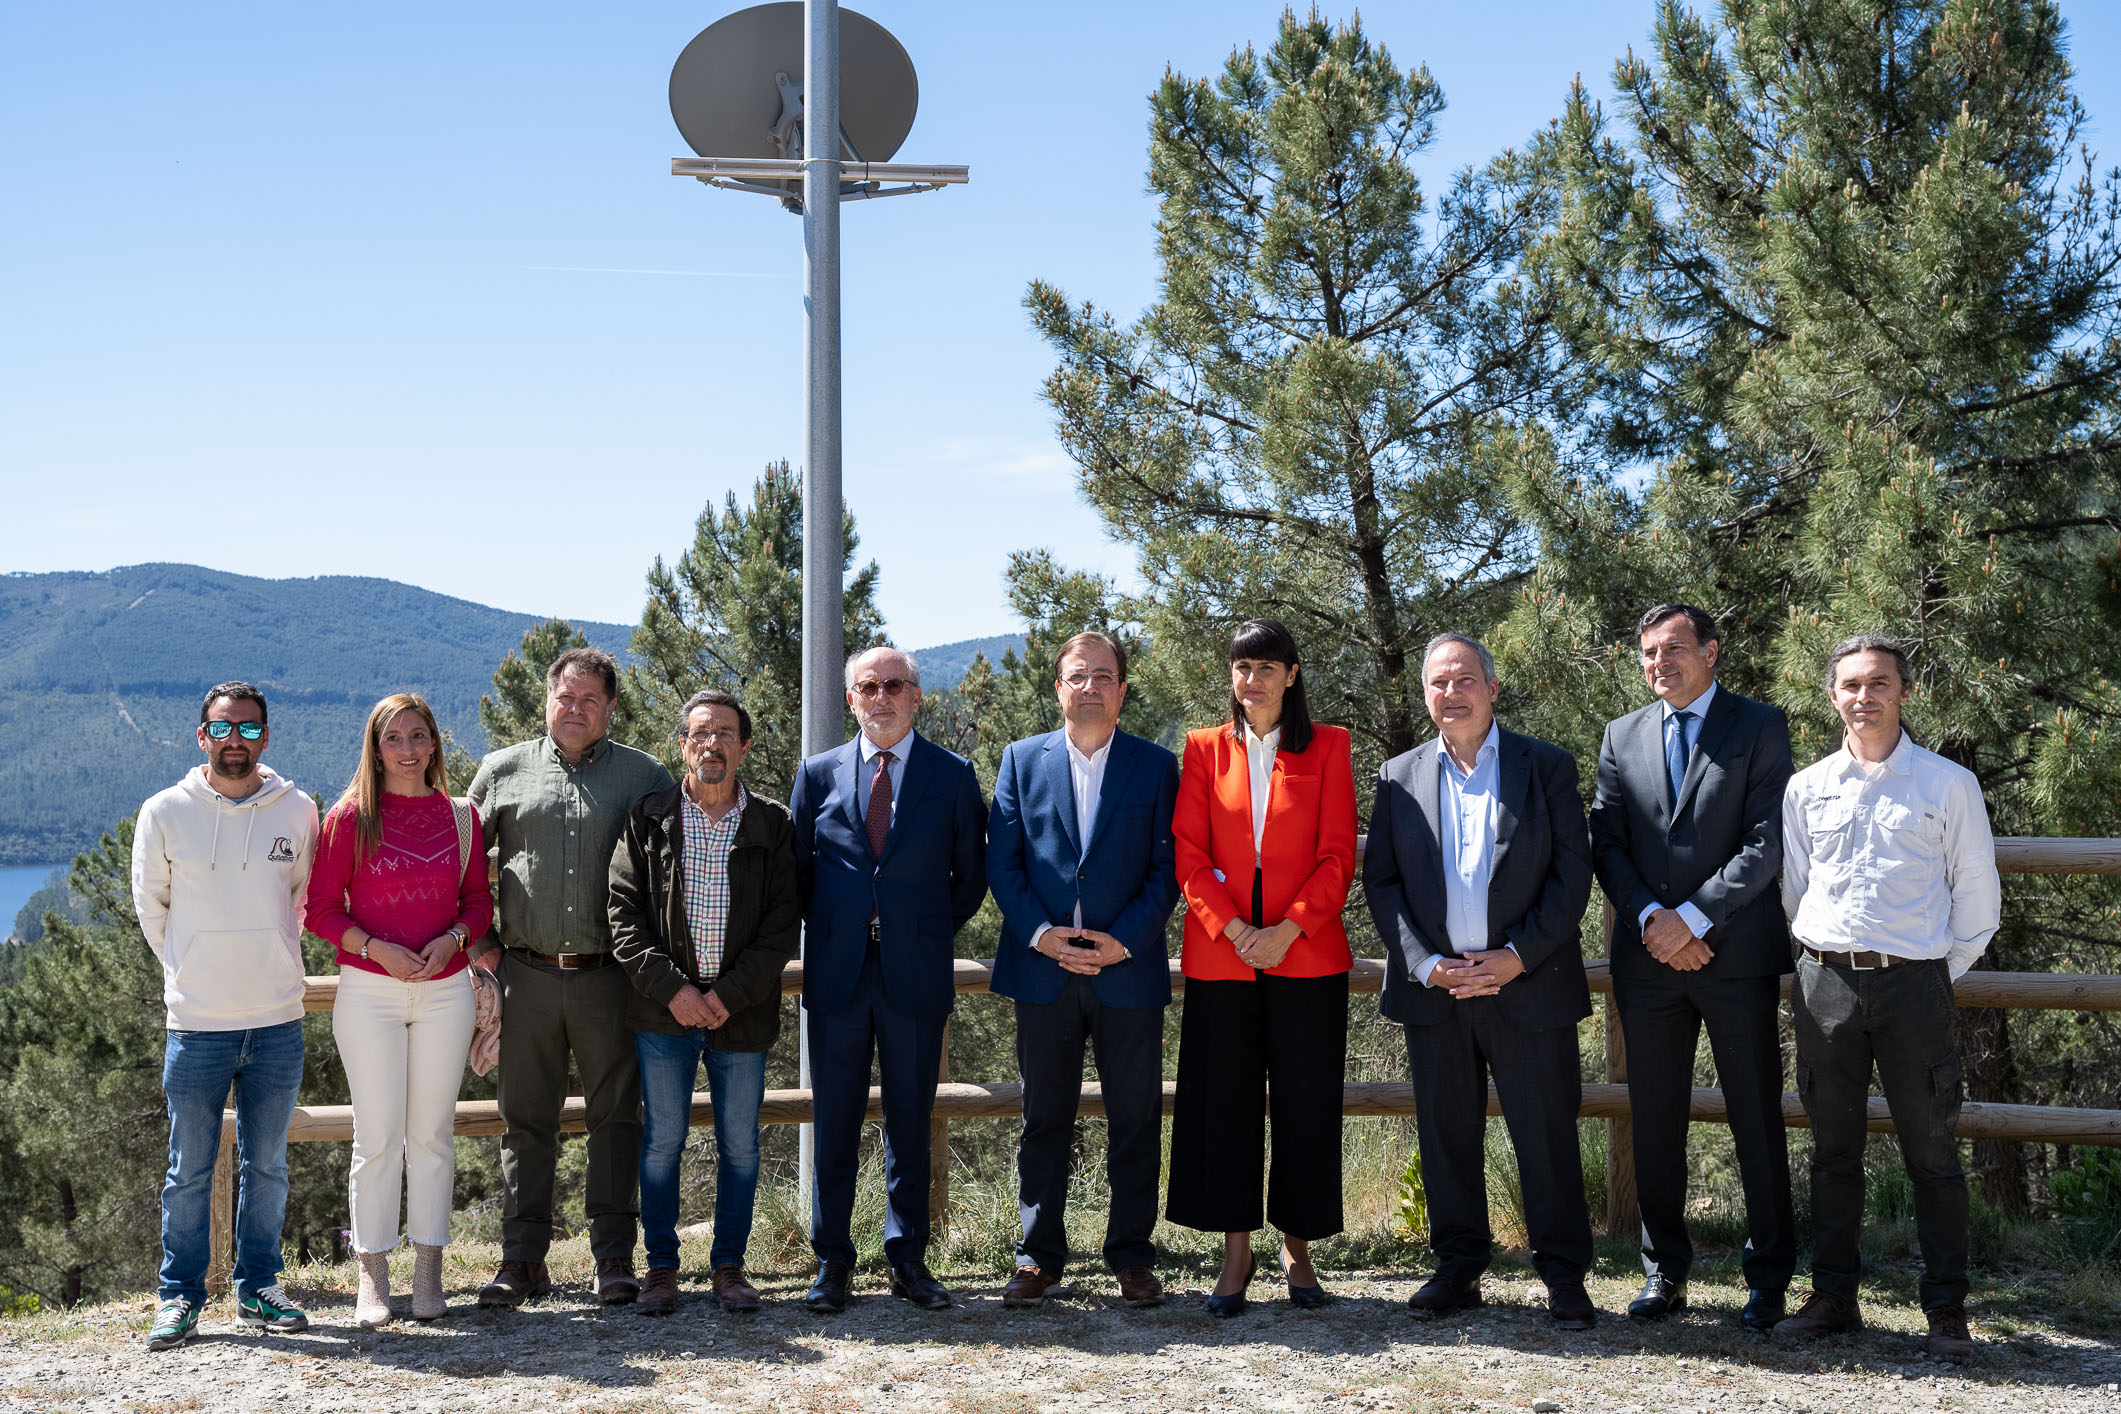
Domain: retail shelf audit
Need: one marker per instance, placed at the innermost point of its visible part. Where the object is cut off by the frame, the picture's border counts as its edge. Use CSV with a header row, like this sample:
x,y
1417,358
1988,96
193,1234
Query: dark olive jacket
x,y
653,942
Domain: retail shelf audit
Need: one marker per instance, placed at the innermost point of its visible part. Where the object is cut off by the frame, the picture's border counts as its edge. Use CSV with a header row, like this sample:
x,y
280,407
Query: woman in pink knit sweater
x,y
399,886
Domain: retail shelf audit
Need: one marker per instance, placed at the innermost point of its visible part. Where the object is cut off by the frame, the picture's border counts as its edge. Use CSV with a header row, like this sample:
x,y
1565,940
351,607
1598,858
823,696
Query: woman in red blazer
x,y
1265,828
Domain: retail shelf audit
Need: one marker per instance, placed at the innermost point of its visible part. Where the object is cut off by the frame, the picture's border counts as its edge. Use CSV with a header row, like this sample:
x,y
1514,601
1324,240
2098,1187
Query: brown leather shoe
x,y
733,1291
1138,1286
1950,1340
1823,1313
515,1283
1439,1296
1028,1287
615,1284
659,1292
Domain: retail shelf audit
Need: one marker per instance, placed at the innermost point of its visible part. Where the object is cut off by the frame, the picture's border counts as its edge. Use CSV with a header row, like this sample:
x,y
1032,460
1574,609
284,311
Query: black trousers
x,y
545,1014
1538,1078
1662,1014
1128,1045
1234,1039
1904,1020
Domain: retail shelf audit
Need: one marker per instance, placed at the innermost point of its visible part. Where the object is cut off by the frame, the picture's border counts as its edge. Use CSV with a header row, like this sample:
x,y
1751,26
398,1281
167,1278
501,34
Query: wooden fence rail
x,y
958,1100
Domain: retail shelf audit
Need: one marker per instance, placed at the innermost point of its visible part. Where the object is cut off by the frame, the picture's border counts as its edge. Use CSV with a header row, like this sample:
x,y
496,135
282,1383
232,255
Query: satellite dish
x,y
736,90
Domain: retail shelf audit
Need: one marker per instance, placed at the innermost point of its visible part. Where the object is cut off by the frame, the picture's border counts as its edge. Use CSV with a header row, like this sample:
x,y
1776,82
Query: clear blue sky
x,y
294,289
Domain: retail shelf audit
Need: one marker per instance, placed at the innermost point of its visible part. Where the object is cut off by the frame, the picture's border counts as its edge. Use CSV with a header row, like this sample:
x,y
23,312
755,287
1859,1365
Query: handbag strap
x,y
462,810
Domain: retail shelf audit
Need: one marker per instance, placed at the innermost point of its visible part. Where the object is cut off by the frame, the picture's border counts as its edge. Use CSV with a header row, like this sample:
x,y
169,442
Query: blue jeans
x,y
737,1082
198,1067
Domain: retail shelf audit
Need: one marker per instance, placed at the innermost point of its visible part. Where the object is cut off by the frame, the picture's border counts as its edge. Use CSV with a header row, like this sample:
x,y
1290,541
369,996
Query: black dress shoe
x,y
1440,1296
1569,1306
1660,1297
917,1284
1234,1303
829,1292
1763,1309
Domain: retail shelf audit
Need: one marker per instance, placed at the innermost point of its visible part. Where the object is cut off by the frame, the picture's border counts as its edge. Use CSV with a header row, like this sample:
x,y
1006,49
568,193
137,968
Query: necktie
x,y
1676,750
878,819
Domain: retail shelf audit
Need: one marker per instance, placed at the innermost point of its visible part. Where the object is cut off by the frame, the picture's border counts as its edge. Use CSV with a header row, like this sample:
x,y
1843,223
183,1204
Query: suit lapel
x,y
1715,726
1649,748
1060,780
847,775
917,785
1117,768
1428,792
1512,780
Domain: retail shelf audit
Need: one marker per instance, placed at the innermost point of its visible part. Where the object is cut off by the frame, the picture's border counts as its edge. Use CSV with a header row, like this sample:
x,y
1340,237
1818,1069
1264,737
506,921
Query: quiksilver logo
x,y
282,851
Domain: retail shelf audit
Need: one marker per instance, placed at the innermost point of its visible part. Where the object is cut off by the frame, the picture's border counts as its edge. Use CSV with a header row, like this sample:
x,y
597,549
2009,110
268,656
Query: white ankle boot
x,y
427,1299
372,1305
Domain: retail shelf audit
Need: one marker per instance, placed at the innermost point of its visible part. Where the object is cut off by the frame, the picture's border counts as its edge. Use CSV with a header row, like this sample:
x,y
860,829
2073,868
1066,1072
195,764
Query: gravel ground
x,y
1082,1352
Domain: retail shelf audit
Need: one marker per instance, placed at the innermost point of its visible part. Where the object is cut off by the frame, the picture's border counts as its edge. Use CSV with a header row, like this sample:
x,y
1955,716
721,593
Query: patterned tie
x,y
1676,749
879,817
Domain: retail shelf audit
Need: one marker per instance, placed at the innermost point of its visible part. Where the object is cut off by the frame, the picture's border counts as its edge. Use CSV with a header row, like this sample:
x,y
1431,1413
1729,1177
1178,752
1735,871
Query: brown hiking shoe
x,y
659,1292
615,1284
515,1283
1823,1313
733,1291
1138,1286
1949,1338
1028,1287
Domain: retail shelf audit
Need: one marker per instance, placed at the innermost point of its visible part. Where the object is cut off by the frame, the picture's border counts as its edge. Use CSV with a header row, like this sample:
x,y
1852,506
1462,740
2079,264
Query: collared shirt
x,y
1465,803
1259,762
706,866
553,826
1893,858
1086,775
865,778
1696,921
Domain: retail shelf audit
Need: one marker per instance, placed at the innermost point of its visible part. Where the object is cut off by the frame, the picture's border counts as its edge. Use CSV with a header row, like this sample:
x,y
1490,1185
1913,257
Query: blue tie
x,y
1676,750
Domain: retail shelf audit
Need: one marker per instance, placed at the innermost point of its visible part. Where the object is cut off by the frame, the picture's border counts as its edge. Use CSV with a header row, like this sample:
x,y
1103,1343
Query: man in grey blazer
x,y
1686,837
1477,872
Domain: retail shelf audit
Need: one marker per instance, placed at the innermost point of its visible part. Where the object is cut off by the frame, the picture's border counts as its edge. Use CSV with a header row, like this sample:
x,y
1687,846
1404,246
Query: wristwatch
x,y
457,931
364,948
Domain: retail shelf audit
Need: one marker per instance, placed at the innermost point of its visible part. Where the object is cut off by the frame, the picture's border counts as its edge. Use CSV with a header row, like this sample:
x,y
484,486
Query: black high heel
x,y
1305,1298
1234,1303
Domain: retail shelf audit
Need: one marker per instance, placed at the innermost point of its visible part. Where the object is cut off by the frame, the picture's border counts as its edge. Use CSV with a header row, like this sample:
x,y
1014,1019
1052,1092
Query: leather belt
x,y
1855,961
876,931
569,961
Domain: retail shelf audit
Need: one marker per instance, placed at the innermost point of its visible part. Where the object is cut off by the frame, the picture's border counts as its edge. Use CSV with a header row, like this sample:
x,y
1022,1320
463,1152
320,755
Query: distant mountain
x,y
945,664
101,676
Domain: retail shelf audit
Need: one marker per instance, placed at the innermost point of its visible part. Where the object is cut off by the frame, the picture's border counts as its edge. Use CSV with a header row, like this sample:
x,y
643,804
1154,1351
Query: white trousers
x,y
403,1045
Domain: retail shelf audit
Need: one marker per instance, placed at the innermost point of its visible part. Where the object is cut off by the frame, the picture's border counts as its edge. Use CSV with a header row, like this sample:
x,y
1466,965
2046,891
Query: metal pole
x,y
823,691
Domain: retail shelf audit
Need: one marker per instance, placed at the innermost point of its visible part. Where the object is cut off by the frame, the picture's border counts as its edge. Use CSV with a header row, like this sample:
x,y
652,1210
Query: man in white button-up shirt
x,y
1889,880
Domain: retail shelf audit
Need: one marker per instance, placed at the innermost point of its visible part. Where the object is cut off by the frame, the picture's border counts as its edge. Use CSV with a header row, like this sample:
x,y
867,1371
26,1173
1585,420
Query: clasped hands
x,y
1481,976
413,964
1672,943
1262,947
693,1007
1088,961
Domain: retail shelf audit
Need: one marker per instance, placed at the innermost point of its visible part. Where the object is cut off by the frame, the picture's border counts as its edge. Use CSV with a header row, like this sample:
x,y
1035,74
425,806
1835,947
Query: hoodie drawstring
x,y
213,854
248,831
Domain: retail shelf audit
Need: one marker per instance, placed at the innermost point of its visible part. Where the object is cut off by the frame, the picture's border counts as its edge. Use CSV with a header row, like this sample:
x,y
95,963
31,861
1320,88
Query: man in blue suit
x,y
890,835
1080,859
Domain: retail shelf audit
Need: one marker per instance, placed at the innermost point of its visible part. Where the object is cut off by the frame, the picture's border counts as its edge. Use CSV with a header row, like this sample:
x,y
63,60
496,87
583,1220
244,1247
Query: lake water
x,y
17,883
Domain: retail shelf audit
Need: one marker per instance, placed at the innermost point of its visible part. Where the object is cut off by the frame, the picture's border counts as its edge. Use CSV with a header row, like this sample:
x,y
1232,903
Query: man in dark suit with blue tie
x,y
1080,860
1477,872
1686,835
891,861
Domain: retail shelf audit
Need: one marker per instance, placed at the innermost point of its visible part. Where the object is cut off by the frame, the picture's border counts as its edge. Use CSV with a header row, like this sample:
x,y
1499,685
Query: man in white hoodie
x,y
220,862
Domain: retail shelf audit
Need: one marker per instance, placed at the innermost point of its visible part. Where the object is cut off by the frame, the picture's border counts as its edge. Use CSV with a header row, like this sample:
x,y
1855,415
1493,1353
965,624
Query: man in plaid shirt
x,y
704,916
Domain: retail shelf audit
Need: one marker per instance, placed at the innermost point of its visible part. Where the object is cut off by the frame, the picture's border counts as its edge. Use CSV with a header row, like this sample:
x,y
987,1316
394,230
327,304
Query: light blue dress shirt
x,y
1466,802
1696,920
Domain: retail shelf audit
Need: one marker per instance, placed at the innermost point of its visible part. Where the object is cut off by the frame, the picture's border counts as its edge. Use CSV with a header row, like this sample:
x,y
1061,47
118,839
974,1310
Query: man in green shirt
x,y
553,807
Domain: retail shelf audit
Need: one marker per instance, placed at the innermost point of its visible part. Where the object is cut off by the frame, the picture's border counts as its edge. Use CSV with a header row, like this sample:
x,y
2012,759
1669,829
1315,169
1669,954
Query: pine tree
x,y
515,710
1847,277
1306,423
729,615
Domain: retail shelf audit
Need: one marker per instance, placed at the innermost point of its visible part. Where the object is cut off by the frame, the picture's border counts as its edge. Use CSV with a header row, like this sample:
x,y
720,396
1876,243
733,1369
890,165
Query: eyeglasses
x,y
1102,681
708,736
249,731
890,687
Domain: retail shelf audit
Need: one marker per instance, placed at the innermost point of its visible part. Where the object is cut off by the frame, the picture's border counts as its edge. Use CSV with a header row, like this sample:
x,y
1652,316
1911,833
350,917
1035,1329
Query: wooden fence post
x,y
221,1240
939,1152
1623,1215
